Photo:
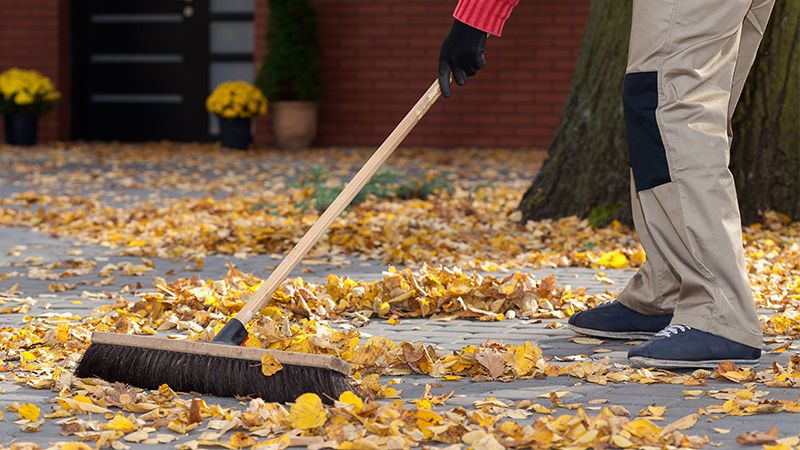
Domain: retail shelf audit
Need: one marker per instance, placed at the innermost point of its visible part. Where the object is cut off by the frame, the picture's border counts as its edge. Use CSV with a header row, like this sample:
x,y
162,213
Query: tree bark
x,y
765,154
587,170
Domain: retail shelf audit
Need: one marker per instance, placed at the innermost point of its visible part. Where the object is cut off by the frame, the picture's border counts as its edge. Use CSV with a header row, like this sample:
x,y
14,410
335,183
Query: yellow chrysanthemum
x,y
26,87
236,99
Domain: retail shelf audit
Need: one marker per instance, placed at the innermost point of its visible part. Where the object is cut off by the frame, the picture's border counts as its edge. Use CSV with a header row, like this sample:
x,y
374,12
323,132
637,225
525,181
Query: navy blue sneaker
x,y
616,321
681,347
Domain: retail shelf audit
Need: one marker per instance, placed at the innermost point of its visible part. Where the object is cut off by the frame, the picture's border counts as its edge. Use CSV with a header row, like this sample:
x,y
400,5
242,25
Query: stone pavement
x,y
17,245
446,335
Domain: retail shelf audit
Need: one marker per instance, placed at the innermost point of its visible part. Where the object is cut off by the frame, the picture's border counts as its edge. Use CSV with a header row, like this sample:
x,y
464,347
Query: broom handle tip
x,y
259,299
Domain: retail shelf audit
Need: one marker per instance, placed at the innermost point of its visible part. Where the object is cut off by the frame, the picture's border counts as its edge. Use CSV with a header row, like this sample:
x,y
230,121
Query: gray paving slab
x,y
448,336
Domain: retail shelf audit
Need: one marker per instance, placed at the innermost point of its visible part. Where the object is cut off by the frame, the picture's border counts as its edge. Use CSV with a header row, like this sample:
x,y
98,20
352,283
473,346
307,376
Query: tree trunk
x,y
765,155
587,170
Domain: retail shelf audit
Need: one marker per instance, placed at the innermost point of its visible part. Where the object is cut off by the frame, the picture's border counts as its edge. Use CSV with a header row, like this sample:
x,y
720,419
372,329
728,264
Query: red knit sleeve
x,y
485,15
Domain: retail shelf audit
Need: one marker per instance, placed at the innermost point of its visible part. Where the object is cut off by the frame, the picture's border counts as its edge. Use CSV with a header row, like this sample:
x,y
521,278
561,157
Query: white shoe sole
x,y
628,335
641,361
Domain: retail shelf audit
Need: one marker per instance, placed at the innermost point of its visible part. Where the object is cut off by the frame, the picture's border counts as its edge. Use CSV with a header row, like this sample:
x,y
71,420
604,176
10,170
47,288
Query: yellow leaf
x,y
423,403
307,412
354,401
542,409
615,259
166,392
791,440
120,423
621,441
638,257
383,309
653,411
29,411
269,365
776,447
180,427
239,440
683,423
72,404
525,357
27,356
74,446
642,428
83,399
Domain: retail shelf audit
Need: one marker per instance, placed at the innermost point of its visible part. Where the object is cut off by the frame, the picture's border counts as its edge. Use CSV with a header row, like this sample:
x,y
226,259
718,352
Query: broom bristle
x,y
213,375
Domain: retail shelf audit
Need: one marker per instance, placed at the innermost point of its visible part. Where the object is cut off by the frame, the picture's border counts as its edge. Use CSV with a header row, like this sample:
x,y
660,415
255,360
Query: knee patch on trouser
x,y
648,158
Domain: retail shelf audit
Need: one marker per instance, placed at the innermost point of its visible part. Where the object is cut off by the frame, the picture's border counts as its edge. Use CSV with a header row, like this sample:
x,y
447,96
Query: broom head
x,y
211,368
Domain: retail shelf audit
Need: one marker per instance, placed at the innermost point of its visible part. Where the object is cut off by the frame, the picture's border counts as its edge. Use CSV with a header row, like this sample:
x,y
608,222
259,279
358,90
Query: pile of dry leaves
x,y
323,319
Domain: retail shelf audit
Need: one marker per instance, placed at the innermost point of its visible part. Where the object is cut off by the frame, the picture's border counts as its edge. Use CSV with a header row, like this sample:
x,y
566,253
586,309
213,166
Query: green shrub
x,y
289,71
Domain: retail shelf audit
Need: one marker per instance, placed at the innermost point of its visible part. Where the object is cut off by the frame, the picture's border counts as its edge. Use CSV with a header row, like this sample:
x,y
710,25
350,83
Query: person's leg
x,y
653,290
753,28
646,304
678,98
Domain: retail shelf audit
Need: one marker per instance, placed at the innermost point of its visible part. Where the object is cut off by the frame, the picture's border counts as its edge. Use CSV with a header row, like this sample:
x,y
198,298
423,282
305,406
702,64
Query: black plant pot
x,y
235,133
21,129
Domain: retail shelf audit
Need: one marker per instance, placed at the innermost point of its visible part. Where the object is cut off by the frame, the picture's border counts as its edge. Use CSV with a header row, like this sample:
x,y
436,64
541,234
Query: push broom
x,y
223,367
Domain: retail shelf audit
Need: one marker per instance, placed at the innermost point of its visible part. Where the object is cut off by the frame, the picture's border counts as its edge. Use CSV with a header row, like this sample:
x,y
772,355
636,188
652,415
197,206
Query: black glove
x,y
462,54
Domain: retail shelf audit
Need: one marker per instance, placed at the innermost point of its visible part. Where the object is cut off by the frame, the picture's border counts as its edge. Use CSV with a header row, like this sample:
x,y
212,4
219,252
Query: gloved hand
x,y
461,54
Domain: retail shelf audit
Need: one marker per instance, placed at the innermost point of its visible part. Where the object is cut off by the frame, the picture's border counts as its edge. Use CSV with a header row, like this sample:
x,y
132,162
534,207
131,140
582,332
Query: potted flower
x,y
288,75
236,103
24,95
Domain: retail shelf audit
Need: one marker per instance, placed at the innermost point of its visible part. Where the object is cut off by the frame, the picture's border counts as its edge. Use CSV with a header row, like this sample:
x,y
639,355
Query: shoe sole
x,y
627,335
641,361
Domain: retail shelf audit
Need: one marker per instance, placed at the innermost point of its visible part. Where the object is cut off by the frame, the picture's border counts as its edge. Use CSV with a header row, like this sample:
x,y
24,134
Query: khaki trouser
x,y
687,63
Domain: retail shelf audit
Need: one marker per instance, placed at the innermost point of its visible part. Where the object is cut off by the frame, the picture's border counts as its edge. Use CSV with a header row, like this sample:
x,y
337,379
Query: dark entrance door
x,y
141,69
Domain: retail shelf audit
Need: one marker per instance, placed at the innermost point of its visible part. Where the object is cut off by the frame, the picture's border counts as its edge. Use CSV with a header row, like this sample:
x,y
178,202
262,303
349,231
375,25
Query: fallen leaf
x,y
194,411
270,365
74,446
758,437
684,423
492,361
353,402
307,412
120,423
239,440
586,340
29,411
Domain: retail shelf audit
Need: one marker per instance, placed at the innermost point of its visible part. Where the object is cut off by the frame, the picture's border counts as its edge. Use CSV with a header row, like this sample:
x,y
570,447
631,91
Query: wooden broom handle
x,y
264,293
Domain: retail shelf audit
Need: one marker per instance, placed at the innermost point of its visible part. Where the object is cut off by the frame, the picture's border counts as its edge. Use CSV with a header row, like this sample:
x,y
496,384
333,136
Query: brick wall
x,y
380,56
34,34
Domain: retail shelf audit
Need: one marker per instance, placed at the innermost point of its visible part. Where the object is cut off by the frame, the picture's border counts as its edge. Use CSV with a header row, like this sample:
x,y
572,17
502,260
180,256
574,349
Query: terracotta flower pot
x,y
294,124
